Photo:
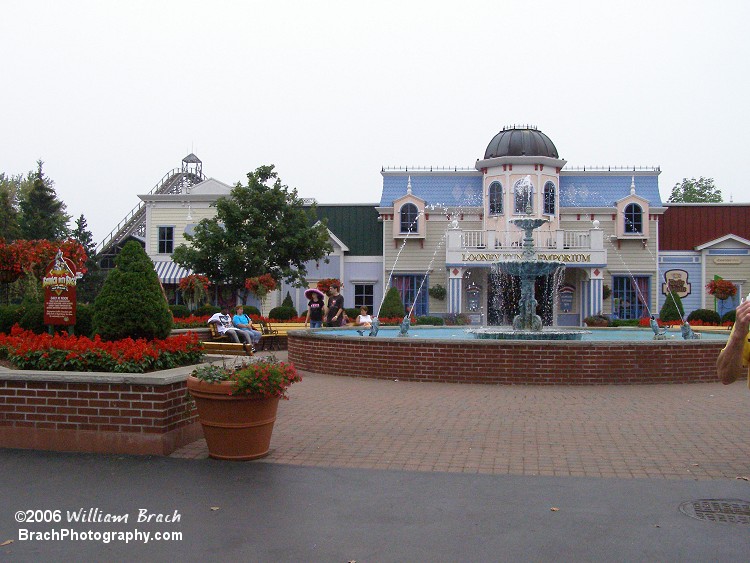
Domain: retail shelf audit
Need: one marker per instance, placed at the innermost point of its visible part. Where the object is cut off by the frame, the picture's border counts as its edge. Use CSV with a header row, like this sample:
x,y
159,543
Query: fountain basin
x,y
505,362
501,333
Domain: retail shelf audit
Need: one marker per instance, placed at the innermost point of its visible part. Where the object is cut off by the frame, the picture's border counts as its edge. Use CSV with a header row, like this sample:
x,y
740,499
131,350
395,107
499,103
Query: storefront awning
x,y
169,272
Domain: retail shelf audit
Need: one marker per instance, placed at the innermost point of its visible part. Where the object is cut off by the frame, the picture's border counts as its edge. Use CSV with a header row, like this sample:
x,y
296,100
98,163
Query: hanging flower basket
x,y
8,276
721,289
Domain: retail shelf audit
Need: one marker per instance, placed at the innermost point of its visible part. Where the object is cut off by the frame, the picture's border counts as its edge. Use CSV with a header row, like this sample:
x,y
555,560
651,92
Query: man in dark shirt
x,y
335,307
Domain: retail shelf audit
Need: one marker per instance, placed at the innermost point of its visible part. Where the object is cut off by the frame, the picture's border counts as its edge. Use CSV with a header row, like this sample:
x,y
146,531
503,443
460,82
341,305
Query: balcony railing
x,y
499,240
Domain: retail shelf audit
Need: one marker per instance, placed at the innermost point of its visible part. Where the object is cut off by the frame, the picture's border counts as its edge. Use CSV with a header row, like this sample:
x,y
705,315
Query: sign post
x,y
59,283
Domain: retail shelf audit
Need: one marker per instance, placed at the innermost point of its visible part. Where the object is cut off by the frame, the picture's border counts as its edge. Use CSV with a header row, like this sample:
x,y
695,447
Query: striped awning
x,y
169,272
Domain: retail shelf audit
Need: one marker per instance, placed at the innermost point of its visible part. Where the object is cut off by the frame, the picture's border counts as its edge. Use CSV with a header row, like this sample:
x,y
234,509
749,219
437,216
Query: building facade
x,y
621,246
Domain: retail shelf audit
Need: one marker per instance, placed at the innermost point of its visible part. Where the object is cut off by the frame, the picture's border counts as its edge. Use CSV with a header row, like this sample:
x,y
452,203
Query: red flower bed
x,y
62,352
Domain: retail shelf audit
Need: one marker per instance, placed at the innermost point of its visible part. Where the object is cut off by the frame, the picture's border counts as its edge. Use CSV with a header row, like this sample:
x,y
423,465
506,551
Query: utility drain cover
x,y
725,510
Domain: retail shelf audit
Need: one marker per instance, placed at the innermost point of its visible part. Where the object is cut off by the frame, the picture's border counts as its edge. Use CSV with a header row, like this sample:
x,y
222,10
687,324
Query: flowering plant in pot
x,y
237,405
721,289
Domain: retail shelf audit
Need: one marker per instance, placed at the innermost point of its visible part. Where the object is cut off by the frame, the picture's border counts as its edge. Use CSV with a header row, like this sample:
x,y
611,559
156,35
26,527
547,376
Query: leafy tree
x,y
261,228
392,306
672,310
9,189
92,282
691,190
42,214
132,303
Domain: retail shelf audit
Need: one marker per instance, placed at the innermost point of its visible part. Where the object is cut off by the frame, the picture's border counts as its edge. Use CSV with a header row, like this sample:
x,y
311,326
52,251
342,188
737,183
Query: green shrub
x,y
250,310
9,315
282,313
705,315
729,316
625,322
180,311
287,302
597,320
131,302
353,313
84,320
32,317
427,320
211,309
672,310
392,305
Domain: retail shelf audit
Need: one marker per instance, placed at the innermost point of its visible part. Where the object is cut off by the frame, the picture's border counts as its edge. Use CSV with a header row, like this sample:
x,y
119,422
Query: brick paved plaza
x,y
696,431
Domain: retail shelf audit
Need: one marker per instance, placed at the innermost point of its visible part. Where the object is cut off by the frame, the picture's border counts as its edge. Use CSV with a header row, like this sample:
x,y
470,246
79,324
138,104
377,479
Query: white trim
x,y
723,239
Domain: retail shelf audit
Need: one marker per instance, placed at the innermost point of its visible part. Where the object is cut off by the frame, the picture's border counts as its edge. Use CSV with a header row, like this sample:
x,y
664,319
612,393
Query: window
x,y
549,198
630,296
523,194
363,296
409,215
407,286
166,240
496,198
633,219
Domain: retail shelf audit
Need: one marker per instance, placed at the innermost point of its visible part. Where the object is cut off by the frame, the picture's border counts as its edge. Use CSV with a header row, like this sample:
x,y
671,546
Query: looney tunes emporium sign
x,y
59,283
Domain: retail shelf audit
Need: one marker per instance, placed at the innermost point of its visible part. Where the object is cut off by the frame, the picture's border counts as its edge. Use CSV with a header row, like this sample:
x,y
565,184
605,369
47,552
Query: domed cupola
x,y
520,141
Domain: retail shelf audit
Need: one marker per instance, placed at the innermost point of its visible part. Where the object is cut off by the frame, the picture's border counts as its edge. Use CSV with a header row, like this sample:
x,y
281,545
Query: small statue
x,y
375,327
659,332
405,324
687,332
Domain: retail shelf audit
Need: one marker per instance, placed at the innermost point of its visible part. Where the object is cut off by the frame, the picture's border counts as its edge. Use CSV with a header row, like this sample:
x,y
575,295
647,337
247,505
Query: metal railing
x,y
134,214
508,240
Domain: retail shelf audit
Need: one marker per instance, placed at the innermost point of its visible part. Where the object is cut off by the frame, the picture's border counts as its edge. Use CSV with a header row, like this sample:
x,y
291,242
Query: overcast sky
x,y
112,95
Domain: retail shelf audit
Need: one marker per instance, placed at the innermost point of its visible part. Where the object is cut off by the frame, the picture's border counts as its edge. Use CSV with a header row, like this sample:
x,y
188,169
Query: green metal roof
x,y
357,226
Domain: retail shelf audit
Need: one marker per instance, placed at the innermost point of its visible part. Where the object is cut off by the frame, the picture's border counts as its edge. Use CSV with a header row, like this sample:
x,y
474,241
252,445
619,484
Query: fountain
x,y
527,325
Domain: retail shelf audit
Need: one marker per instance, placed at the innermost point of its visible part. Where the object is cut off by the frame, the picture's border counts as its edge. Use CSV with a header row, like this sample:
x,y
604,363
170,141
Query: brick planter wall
x,y
503,362
99,412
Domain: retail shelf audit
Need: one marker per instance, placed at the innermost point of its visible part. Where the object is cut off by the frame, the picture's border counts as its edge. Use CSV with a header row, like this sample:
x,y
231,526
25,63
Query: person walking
x,y
315,308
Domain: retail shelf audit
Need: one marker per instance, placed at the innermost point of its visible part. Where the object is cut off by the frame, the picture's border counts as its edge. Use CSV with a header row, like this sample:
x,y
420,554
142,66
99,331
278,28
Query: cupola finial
x,y
408,186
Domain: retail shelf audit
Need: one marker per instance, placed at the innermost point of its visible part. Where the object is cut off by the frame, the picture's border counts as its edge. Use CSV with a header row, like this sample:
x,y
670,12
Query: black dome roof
x,y
520,141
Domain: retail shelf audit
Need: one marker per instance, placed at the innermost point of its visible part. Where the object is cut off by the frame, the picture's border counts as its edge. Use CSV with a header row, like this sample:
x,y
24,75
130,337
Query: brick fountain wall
x,y
507,362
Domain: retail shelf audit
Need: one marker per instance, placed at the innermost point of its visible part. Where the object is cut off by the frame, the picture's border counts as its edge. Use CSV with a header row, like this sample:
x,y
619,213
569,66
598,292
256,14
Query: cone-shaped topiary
x,y
672,310
132,303
287,302
392,305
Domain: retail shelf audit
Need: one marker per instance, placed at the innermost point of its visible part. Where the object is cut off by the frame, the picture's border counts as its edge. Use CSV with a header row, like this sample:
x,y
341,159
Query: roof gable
x,y
210,187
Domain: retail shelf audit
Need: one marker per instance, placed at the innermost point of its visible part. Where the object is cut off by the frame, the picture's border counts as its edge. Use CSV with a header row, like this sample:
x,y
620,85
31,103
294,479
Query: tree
x,y
91,284
672,310
131,302
42,214
691,190
261,228
9,189
82,234
392,306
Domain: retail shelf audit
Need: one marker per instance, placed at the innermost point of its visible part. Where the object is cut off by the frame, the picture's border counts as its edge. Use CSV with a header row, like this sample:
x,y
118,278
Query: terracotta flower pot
x,y
236,427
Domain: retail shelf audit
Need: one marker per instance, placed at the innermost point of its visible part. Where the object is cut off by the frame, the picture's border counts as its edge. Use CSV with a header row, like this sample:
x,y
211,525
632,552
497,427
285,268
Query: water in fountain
x,y
527,325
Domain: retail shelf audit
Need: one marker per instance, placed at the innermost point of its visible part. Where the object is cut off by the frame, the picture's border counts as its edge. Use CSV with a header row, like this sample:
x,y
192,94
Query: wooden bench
x,y
221,343
273,335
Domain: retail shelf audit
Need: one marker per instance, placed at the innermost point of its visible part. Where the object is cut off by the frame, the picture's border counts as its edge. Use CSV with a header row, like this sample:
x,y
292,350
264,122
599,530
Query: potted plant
x,y
237,405
721,289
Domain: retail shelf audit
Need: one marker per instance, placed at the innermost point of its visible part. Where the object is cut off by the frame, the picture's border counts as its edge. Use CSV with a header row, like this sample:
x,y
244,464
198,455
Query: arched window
x,y
523,193
549,198
633,218
409,214
496,198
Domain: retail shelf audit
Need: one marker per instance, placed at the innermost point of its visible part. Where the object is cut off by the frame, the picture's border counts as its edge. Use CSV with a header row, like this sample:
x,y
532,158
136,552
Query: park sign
x,y
59,283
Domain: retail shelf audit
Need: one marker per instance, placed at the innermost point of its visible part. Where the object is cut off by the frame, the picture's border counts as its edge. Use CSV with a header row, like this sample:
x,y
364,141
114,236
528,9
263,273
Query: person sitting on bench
x,y
224,327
